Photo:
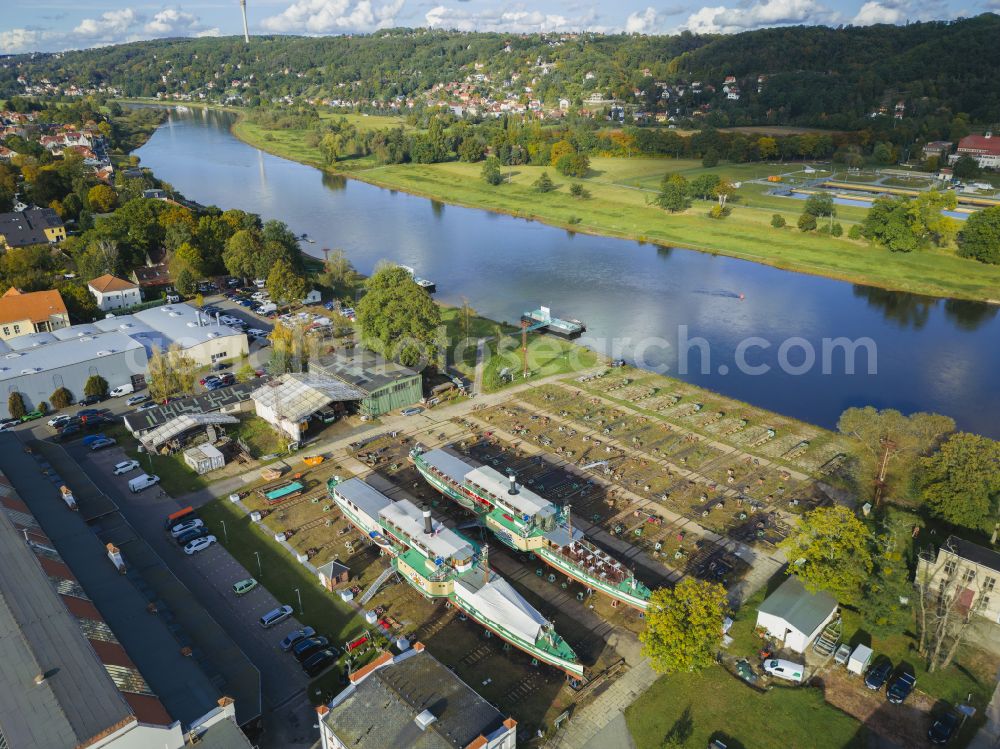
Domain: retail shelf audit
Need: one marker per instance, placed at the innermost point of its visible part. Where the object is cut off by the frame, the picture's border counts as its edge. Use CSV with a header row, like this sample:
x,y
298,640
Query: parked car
x,y
275,616
784,669
220,366
900,687
878,674
135,400
296,635
208,378
90,400
88,412
126,466
412,411
143,481
228,379
122,390
319,662
32,415
192,535
199,544
147,406
943,728
242,587
186,525
68,431
9,424
102,443
60,420
304,648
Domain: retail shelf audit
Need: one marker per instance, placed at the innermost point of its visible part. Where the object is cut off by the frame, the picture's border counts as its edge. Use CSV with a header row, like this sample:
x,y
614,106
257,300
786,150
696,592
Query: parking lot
x,y
209,574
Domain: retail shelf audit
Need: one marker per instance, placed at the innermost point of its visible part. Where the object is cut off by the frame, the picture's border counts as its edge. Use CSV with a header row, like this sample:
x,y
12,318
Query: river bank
x,y
621,190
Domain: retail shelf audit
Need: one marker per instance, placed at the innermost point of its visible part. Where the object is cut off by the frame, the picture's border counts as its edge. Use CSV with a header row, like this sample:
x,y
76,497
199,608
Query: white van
x,y
784,669
122,390
144,481
267,308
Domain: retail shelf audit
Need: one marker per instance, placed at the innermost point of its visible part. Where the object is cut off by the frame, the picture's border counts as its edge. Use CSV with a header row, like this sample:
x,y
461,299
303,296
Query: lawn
x,y
547,355
712,704
259,436
620,205
279,572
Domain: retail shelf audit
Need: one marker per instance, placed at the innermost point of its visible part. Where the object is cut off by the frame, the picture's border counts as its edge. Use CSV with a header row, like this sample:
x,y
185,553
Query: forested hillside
x,y
810,76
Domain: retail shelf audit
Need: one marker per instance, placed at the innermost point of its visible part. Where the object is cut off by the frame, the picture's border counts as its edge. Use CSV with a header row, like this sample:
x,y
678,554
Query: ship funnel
x,y
428,523
513,482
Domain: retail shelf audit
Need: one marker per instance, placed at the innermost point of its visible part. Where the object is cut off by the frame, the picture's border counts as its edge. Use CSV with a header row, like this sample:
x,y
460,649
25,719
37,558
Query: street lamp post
x,y
299,594
225,533
260,571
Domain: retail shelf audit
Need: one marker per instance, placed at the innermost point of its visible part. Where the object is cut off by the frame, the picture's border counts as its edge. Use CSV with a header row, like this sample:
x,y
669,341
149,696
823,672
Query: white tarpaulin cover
x,y
498,601
526,502
443,542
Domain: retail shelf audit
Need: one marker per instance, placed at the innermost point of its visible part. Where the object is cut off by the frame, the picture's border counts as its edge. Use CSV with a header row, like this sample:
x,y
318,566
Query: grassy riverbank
x,y
621,191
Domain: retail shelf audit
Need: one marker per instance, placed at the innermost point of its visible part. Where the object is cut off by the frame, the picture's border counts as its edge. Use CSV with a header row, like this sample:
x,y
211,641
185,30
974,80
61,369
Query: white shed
x,y
859,659
794,615
204,458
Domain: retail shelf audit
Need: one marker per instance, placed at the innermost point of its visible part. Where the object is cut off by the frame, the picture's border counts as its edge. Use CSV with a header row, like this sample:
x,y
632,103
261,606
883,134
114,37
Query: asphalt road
x,y
209,575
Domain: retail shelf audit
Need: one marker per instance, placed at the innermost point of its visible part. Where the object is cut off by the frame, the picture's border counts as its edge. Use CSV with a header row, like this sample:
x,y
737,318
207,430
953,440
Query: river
x,y
638,301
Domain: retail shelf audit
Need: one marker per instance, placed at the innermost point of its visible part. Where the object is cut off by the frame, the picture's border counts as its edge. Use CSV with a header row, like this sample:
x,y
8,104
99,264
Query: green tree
x,y
189,256
544,183
61,398
101,199
245,373
491,171
711,159
960,483
185,283
80,303
15,405
169,373
579,192
819,204
339,275
906,437
966,167
284,284
559,149
807,222
397,318
684,626
240,254
95,385
980,236
777,221
674,194
888,223
831,550
573,165
703,186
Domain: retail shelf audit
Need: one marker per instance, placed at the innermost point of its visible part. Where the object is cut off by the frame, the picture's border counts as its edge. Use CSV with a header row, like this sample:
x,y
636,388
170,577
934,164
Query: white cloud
x,y
723,20
112,26
14,41
325,16
874,12
515,20
173,21
643,22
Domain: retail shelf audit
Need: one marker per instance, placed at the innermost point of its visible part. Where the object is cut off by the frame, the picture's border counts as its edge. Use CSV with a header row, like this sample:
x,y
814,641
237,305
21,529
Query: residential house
x,y
412,700
939,148
34,312
114,293
975,571
154,280
6,154
794,616
30,226
985,149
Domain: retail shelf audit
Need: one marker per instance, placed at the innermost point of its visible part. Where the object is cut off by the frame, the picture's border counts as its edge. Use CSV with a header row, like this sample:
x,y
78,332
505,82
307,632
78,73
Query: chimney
x,y
428,523
116,558
513,482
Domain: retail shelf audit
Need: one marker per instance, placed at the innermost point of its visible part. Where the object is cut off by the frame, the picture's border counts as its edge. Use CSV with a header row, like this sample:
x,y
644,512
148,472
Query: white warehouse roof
x,y
58,354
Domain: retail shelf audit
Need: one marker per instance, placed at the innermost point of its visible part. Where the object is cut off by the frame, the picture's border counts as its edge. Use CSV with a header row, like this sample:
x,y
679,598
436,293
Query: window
x,y
988,584
985,602
969,576
17,329
949,567
6,330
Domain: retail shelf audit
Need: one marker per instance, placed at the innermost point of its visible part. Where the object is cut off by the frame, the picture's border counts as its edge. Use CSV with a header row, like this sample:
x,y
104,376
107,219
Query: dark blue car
x,y
878,674
900,688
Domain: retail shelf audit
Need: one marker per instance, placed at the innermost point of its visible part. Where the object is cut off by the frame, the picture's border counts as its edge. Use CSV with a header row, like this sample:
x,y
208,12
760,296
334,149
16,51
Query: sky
x,y
52,25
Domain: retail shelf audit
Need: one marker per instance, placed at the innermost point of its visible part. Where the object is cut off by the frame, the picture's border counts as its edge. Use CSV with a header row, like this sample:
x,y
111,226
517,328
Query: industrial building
x,y
386,385
288,401
78,670
116,348
412,700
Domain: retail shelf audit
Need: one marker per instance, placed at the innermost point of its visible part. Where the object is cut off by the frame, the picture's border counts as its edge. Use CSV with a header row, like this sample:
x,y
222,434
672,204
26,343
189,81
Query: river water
x,y
640,302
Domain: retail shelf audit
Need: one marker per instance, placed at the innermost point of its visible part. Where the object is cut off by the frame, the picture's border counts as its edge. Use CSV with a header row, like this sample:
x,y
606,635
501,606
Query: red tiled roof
x,y
107,283
36,306
980,144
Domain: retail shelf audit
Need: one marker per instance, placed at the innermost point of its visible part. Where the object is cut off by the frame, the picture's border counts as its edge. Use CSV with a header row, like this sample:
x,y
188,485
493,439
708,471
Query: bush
x,y
95,385
807,222
61,398
15,405
718,211
777,221
573,165
710,159
491,171
43,407
836,230
579,191
574,220
855,232
544,183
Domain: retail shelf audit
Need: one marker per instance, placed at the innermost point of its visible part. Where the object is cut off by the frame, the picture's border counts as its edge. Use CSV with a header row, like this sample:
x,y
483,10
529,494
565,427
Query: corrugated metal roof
x,y
794,604
295,397
175,427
